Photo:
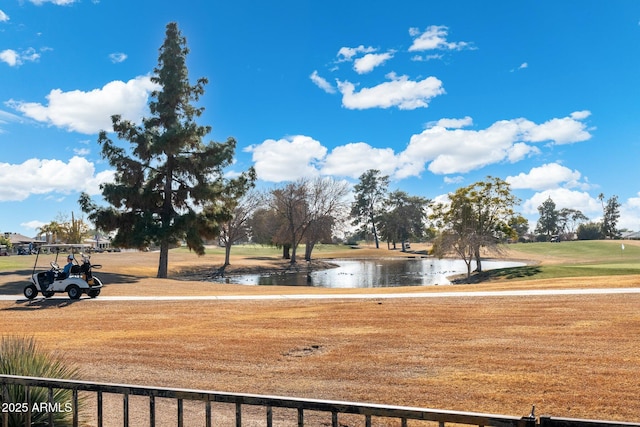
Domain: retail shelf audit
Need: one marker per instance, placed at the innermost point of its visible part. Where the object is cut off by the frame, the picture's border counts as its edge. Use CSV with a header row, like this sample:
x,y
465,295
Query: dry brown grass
x,y
572,356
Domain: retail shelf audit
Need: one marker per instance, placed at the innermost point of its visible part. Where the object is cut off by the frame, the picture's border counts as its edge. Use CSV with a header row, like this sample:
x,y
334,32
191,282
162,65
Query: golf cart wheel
x,y
30,291
95,293
74,292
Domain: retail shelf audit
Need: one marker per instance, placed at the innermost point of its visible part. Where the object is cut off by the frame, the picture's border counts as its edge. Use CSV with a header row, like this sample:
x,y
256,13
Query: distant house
x,y
21,244
99,243
634,235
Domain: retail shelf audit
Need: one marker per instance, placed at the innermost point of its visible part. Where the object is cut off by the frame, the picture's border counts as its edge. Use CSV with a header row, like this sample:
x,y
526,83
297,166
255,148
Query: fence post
x,y
5,398
530,420
125,409
152,411
180,413
238,414
75,407
99,405
50,403
27,392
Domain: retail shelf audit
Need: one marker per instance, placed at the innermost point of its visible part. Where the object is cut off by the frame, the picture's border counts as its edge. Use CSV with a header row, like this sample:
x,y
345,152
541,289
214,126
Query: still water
x,y
371,273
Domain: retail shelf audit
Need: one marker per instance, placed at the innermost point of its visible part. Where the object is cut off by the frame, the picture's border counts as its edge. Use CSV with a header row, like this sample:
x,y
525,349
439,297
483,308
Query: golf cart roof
x,y
60,247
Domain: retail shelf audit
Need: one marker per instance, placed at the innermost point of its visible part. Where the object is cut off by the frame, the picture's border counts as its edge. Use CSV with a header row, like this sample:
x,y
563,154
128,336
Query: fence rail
x,y
240,400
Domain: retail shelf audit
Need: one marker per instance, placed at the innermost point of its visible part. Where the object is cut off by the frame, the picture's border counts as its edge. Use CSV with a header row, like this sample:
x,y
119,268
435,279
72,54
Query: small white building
x,y
99,243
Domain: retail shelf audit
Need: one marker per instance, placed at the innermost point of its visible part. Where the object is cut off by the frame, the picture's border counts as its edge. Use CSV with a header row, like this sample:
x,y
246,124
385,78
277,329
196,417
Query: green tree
x,y
51,231
268,227
568,220
370,193
168,173
479,215
458,227
65,230
5,242
520,226
610,217
547,225
589,231
494,208
76,230
404,218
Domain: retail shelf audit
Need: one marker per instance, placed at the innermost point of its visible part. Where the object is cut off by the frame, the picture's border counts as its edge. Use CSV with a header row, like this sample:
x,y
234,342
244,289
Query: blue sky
x,y
542,93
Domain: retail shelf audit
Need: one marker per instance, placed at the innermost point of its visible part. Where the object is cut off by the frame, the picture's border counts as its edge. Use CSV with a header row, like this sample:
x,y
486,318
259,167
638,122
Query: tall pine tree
x,y
168,183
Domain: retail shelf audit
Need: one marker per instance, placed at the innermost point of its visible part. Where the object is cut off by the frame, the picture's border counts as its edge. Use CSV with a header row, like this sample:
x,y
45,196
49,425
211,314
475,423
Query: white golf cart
x,y
79,281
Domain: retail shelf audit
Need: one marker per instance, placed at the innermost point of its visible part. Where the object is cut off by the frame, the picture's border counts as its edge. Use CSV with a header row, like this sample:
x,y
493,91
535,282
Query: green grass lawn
x,y
577,259
16,262
584,251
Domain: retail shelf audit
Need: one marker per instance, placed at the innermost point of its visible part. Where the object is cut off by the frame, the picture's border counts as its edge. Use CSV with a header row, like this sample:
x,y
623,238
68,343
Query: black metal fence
x,y
299,409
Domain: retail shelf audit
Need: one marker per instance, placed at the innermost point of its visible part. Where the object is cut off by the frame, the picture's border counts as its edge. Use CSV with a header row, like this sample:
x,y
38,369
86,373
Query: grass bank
x,y
596,258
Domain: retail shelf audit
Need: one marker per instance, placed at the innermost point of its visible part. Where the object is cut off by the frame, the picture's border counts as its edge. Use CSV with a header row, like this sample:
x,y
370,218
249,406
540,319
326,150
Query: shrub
x,y
22,356
590,231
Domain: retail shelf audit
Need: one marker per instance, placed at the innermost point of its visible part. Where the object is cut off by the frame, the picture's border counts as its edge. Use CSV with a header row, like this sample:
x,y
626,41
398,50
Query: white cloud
x,y
33,225
322,83
81,152
449,151
545,177
564,198
520,67
634,202
630,214
398,92
434,37
347,53
43,176
562,131
300,156
11,57
370,61
287,159
423,58
354,159
452,123
8,117
90,112
454,179
92,185
117,57
520,150
444,148
3,16
56,2
580,115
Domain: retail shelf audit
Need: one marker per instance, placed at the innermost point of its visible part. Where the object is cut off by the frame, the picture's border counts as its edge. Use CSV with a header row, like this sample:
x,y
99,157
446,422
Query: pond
x,y
371,273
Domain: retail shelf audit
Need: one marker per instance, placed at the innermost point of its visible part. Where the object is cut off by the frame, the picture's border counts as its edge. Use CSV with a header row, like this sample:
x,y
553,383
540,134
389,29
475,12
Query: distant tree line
x,y
572,224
